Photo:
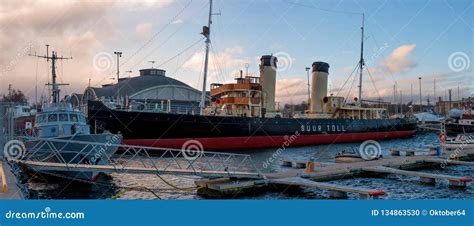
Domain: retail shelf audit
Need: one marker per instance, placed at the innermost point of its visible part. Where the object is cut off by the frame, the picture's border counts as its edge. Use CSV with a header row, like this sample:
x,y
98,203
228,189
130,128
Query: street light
x,y
119,54
419,78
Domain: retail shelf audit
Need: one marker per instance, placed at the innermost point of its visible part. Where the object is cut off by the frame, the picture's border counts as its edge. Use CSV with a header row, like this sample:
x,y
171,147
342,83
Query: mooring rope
x,y
130,188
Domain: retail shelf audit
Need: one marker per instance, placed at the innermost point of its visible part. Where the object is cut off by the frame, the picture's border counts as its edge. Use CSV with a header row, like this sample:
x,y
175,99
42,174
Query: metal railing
x,y
152,159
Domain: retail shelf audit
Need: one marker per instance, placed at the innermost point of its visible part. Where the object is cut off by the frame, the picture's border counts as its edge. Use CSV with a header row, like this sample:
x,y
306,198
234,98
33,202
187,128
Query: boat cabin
x,y
241,99
59,121
336,107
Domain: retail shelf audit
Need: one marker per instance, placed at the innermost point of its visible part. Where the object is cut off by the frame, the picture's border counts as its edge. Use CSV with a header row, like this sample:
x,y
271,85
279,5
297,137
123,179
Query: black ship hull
x,y
456,128
232,133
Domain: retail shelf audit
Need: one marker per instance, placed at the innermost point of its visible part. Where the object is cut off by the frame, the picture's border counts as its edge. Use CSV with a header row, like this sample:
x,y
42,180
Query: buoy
x,y
310,166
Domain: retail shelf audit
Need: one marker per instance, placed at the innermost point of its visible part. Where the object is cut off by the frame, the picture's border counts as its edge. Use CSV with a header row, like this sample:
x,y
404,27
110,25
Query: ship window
x,y
73,117
63,117
52,118
41,118
82,118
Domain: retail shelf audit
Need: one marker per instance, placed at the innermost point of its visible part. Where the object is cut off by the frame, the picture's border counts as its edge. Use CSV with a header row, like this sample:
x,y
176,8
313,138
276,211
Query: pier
x,y
224,175
9,189
300,176
427,178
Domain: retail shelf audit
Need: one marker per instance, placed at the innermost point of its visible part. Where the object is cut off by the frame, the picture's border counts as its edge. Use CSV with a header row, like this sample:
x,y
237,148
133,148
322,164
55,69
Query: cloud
x,y
135,5
398,60
291,91
71,28
143,30
229,61
178,21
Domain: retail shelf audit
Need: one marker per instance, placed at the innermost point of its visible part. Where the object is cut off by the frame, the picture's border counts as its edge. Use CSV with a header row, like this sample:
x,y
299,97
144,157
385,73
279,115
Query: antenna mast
x,y
206,31
54,85
361,62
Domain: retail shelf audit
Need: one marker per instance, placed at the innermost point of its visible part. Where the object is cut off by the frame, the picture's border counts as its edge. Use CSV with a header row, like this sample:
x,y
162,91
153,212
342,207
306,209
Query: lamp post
x,y
421,108
119,54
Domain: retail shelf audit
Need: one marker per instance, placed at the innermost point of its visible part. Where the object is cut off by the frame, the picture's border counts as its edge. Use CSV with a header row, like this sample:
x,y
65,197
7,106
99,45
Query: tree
x,y
15,96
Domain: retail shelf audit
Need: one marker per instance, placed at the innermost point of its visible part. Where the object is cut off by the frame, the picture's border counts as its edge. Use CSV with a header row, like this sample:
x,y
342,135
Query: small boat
x,y
62,135
460,142
465,124
22,119
351,155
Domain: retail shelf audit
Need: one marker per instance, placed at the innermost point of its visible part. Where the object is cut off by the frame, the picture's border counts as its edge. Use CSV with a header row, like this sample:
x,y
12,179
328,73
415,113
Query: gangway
x,y
46,155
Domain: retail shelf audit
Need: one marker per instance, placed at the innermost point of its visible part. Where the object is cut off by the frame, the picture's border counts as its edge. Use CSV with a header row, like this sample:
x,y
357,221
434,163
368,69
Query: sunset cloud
x,y
143,30
398,61
229,61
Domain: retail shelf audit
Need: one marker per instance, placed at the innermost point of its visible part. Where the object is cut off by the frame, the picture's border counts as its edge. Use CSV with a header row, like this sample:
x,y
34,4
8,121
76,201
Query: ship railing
x,y
151,159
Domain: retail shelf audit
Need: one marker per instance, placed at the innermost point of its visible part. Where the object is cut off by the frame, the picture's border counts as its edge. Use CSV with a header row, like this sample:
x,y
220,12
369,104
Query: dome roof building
x,y
151,90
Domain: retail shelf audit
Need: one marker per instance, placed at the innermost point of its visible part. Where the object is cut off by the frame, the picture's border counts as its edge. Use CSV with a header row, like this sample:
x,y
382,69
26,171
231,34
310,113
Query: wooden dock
x,y
9,189
297,176
427,178
300,164
335,191
3,179
449,162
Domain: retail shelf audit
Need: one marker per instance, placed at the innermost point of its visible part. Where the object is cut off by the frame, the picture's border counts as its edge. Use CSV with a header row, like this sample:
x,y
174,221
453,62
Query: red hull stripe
x,y
253,142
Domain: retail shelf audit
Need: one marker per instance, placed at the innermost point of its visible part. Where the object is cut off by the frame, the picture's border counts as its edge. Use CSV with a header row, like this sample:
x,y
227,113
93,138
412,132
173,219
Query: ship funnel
x,y
268,67
319,89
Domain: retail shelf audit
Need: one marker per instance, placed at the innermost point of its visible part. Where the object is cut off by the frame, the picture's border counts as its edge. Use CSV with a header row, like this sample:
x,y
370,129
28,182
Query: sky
x,y
404,40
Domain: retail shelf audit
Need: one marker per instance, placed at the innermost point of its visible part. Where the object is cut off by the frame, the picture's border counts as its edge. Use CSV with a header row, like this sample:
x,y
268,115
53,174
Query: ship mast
x,y
54,85
361,62
206,31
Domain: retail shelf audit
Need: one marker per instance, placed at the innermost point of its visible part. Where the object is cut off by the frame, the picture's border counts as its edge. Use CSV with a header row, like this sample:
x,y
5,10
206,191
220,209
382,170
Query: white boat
x,y
464,124
460,142
428,117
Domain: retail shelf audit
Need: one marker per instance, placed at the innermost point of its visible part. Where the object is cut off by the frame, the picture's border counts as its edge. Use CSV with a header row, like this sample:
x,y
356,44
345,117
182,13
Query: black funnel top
x,y
321,66
269,60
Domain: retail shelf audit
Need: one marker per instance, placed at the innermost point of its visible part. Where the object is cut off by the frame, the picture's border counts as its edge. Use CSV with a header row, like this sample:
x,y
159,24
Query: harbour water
x,y
127,186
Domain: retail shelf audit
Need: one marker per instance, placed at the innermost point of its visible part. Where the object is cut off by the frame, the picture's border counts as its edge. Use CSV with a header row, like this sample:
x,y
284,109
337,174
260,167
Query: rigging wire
x,y
348,78
201,73
352,85
182,64
181,52
325,9
391,74
157,33
373,82
132,188
155,49
340,12
220,72
161,44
